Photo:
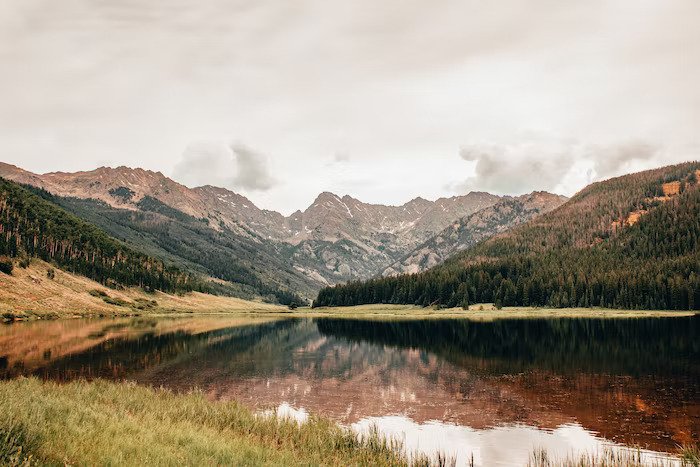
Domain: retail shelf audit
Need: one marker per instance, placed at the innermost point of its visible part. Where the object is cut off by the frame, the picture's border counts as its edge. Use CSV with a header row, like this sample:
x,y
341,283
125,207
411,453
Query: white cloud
x,y
341,157
544,162
398,85
206,163
252,173
234,166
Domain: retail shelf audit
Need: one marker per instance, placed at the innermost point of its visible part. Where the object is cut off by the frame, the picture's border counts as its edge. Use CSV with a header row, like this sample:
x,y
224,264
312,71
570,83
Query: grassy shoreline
x,y
384,313
29,294
488,313
46,423
101,422
205,305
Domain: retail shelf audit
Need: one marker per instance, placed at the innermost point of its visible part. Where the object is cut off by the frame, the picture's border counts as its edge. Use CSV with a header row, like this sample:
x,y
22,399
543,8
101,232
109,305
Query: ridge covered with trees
x,y
628,242
242,267
31,226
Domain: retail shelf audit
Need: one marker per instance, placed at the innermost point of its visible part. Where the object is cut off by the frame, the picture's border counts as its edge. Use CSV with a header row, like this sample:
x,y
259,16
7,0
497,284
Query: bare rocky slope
x,y
469,230
349,239
334,240
629,242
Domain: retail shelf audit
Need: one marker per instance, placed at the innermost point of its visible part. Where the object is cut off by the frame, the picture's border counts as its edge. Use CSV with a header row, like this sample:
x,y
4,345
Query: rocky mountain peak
x,y
468,230
325,199
418,204
335,238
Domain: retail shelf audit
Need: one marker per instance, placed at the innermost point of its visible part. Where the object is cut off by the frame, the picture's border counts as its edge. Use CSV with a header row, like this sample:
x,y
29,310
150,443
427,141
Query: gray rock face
x,y
357,240
334,240
469,230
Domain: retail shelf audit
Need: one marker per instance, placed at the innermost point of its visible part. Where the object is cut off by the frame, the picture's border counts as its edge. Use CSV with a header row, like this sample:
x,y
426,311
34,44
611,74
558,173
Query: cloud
x,y
205,163
234,166
340,157
253,174
552,164
397,85
339,160
615,160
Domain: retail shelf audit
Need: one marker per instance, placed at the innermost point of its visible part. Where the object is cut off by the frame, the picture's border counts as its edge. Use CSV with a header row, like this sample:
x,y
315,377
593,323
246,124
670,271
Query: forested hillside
x,y
469,230
628,242
245,268
31,226
335,239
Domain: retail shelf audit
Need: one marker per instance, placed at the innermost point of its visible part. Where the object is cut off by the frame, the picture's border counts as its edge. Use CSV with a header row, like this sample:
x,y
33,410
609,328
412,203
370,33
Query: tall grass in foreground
x,y
100,422
124,424
688,457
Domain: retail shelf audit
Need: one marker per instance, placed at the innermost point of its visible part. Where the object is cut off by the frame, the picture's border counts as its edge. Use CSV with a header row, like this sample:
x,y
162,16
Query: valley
x,y
481,328
586,253
261,253
327,233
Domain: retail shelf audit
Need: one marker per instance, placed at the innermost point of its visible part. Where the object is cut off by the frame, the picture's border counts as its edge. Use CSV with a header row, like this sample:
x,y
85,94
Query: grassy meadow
x,y
41,291
479,312
108,423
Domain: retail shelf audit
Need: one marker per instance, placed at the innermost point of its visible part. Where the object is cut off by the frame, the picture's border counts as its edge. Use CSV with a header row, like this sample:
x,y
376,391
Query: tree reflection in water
x,y
633,381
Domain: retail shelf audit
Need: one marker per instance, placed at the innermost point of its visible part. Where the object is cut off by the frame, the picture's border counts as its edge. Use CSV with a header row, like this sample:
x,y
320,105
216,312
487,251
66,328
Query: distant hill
x,y
627,242
241,266
31,226
335,239
157,247
469,230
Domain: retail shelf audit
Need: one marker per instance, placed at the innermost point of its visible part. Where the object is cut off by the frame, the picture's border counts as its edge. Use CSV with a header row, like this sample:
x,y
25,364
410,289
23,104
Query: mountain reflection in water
x,y
630,381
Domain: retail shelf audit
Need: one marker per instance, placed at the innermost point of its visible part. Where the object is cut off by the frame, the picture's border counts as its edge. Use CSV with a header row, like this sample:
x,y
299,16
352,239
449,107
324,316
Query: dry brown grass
x,y
29,294
103,423
480,312
671,188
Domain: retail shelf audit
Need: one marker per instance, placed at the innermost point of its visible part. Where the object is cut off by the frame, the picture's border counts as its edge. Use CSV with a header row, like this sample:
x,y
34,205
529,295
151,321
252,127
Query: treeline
x,y
31,226
583,254
221,254
246,270
626,347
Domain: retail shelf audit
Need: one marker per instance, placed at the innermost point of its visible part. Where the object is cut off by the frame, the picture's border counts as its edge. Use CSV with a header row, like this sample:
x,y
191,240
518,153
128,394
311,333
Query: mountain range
x,y
224,235
467,231
627,242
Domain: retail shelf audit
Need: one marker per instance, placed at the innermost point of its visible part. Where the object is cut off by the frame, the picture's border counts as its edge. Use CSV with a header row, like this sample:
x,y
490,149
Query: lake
x,y
492,390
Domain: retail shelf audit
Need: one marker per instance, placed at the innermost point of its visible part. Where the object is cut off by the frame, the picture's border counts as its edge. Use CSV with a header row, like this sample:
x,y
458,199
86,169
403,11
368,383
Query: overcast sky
x,y
382,100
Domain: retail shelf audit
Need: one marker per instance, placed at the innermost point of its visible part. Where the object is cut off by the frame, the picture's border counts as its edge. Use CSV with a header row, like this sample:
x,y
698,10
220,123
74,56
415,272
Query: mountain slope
x,y
335,239
628,242
124,188
242,267
42,291
31,226
470,230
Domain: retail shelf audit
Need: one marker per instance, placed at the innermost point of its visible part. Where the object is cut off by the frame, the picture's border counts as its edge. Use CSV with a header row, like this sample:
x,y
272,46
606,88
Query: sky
x,y
384,101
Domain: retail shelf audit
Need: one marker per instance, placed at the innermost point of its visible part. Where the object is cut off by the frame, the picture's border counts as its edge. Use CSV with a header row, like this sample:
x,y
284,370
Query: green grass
x,y
478,312
690,455
91,423
687,457
106,423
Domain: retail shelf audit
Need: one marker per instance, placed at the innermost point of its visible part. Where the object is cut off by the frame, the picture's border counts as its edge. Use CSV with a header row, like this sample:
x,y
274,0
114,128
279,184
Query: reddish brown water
x,y
495,389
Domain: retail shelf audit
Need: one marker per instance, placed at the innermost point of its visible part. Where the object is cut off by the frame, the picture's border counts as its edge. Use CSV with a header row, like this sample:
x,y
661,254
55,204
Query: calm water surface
x,y
494,390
